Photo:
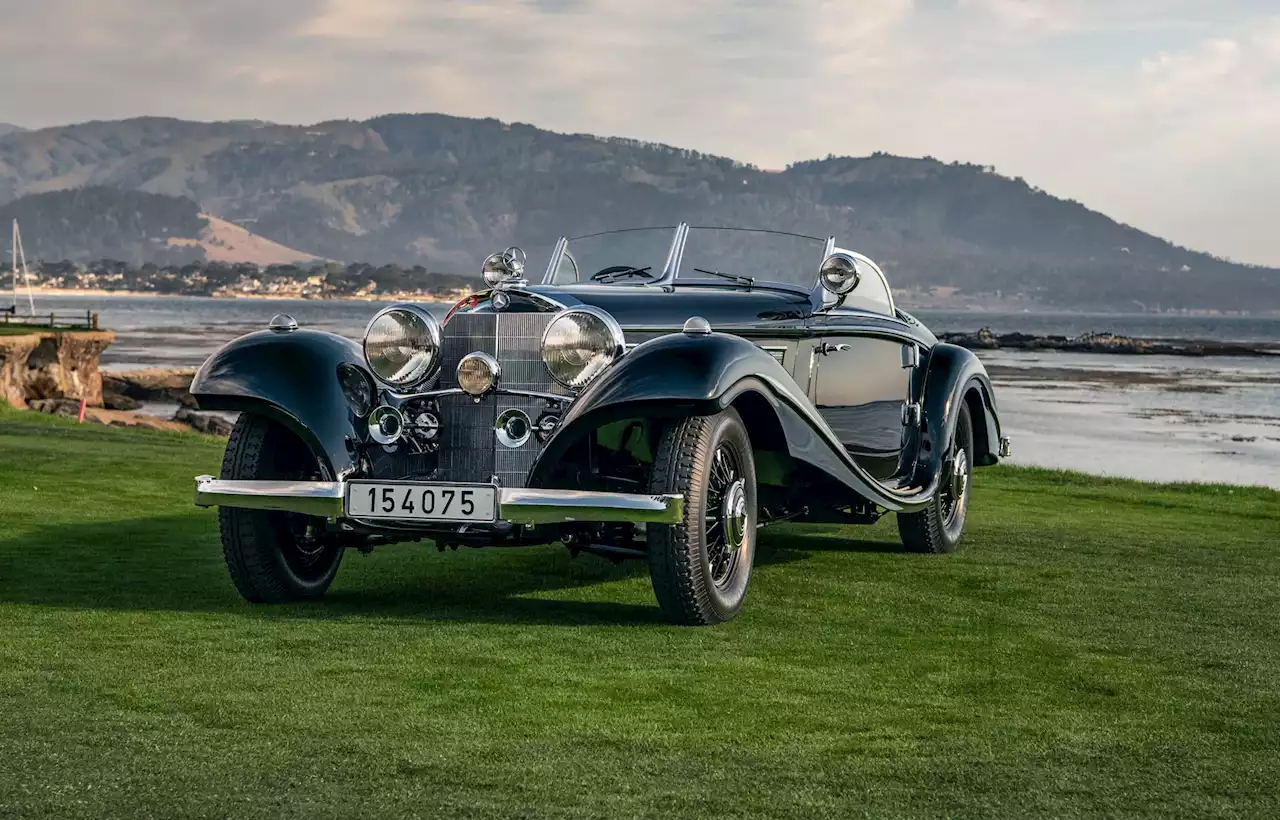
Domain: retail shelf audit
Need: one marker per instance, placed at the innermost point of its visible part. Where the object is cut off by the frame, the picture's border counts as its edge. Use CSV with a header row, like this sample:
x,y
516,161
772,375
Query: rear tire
x,y
700,568
273,557
940,526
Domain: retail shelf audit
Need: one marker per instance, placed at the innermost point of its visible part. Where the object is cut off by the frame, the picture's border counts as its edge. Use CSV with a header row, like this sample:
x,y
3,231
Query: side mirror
x,y
504,268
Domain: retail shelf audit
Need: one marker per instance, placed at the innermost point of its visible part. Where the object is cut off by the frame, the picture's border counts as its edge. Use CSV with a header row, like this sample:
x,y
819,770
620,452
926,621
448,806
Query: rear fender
x,y
956,375
291,378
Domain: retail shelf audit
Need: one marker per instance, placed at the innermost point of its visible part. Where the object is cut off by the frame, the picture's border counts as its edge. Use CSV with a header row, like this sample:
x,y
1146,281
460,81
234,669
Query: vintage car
x,y
662,394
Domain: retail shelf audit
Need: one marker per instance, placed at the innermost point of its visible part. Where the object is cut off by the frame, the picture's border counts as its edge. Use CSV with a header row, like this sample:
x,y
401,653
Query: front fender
x,y
291,378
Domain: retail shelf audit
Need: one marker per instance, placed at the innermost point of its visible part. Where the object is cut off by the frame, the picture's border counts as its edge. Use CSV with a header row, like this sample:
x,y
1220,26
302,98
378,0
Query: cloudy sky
x,y
1161,113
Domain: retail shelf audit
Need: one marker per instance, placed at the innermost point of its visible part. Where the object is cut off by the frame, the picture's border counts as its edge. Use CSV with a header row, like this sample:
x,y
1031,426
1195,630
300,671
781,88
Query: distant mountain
x,y
7,128
445,191
83,224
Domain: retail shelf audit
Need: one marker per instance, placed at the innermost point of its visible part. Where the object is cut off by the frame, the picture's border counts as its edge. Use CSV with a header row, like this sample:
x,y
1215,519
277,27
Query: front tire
x,y
700,568
939,527
273,557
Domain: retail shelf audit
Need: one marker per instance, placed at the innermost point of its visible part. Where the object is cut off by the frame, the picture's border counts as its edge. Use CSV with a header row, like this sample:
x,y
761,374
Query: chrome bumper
x,y
519,506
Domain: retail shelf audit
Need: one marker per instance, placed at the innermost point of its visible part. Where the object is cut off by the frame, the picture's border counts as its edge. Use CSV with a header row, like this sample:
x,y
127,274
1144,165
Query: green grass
x,y
11,329
1099,648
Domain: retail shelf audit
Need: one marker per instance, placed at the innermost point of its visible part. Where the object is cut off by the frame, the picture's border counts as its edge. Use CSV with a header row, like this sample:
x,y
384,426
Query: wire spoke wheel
x,y
701,567
939,527
726,514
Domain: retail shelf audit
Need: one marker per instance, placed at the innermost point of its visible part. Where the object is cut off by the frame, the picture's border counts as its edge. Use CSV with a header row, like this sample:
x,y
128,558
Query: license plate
x,y
420,501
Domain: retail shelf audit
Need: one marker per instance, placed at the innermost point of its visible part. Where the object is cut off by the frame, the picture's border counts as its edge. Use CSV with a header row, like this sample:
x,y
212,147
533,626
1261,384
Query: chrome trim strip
x,y
319,498
737,330
517,505
534,506
898,331
426,394
501,391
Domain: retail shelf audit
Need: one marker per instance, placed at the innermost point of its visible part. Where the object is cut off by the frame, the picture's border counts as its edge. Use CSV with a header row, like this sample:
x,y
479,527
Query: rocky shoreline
x,y
115,397
985,339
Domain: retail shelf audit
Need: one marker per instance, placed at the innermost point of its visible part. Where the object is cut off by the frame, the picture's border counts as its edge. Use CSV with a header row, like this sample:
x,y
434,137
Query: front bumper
x,y
326,499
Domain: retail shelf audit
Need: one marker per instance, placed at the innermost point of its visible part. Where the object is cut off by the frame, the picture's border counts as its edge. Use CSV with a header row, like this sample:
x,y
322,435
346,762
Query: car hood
x,y
648,306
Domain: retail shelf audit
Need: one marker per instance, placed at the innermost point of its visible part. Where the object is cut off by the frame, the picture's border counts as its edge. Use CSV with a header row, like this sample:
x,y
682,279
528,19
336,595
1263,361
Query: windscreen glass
x,y
633,256
728,254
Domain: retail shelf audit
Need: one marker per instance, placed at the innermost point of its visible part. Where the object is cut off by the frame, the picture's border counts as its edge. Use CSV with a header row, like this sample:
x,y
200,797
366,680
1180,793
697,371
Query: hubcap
x,y
960,475
956,486
734,511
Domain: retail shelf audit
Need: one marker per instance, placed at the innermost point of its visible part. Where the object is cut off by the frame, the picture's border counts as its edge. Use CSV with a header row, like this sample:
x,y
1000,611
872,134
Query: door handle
x,y
827,349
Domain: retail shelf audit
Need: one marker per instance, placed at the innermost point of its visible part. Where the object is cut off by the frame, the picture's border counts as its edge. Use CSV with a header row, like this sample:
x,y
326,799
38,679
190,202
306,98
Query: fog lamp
x,y
478,373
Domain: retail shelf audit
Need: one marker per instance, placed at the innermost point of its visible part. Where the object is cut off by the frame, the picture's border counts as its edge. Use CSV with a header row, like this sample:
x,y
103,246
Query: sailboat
x,y
16,255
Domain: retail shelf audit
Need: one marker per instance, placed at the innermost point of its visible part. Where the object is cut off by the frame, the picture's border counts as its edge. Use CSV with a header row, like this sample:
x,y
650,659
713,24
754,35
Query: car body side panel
x,y
860,390
680,375
292,378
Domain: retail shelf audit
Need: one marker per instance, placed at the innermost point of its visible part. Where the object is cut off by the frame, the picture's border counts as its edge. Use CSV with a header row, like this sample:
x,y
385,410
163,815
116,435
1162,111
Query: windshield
x,y
742,254
630,256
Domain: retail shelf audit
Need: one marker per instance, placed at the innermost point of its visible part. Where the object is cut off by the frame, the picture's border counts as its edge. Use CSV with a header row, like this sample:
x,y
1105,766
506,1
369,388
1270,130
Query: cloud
x,y
1153,110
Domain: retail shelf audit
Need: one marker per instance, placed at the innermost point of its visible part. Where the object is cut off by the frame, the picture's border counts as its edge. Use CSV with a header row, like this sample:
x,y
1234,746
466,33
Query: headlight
x,y
357,387
402,345
579,344
839,273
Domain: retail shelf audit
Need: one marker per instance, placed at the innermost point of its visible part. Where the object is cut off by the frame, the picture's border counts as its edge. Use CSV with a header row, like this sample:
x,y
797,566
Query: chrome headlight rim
x,y
842,283
616,337
424,371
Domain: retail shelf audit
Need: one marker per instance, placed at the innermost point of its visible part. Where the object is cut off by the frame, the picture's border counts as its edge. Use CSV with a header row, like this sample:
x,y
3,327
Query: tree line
x,y
202,278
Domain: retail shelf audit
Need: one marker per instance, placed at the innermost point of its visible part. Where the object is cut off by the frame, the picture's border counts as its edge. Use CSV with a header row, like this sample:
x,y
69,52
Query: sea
x,y
1154,418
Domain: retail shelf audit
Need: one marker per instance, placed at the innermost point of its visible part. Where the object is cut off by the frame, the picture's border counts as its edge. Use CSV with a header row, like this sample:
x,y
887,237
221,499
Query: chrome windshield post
x,y
674,255
548,278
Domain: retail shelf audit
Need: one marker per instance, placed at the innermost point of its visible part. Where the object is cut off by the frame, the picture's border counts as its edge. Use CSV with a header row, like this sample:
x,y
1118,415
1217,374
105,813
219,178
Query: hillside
x,y
130,226
9,128
445,191
97,222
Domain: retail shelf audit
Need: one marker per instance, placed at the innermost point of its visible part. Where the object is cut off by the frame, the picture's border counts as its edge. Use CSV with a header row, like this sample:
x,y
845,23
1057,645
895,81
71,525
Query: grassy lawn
x,y
24,330
1099,648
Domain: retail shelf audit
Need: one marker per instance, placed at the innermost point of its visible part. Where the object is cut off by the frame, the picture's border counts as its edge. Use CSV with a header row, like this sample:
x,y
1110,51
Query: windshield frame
x,y
669,278
562,246
812,289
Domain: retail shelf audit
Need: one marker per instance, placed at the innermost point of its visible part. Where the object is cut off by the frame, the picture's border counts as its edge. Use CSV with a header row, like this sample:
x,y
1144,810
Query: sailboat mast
x,y
16,254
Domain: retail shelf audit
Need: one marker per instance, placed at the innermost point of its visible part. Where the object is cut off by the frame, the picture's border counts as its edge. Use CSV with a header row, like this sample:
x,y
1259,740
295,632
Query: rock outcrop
x,y
984,339
70,408
151,384
203,422
52,365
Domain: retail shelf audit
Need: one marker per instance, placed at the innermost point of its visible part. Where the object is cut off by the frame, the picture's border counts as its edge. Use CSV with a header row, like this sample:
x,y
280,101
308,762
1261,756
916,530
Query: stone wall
x,y
52,365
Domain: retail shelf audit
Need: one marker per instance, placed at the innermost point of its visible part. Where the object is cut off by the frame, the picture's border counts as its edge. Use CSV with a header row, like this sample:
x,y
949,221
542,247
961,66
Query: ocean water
x,y
1157,418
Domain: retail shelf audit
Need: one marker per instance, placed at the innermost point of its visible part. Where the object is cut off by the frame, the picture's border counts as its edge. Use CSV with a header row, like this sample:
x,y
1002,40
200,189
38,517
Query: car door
x,y
862,385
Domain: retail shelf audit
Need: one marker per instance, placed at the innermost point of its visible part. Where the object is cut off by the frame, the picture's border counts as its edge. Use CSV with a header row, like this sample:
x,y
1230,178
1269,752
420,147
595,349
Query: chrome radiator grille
x,y
469,450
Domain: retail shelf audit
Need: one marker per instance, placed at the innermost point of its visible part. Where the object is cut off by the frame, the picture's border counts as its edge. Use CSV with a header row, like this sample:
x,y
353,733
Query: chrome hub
x,y
733,511
959,478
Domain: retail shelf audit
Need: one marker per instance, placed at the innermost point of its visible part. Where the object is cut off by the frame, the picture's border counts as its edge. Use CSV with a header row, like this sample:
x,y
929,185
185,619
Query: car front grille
x,y
469,450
